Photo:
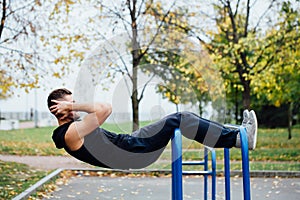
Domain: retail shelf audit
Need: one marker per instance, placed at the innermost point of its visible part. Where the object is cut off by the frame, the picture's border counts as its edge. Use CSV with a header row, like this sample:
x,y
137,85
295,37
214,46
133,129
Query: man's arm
x,y
97,114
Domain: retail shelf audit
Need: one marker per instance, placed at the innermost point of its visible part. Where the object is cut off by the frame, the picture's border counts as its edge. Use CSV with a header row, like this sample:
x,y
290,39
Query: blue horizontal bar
x,y
193,163
197,172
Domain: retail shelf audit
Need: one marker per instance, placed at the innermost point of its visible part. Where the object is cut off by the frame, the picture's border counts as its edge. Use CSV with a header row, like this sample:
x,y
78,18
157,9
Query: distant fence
x,y
24,116
16,120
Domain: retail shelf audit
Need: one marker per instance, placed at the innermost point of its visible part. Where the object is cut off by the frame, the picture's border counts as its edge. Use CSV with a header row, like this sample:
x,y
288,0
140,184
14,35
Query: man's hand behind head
x,y
61,109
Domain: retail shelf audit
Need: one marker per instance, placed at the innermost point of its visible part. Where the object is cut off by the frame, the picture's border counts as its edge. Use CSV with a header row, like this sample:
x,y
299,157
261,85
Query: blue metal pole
x,y
213,176
176,144
205,176
245,163
227,173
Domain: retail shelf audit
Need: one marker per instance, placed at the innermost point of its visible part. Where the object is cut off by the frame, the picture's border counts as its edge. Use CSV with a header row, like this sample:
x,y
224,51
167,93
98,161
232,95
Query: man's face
x,y
73,114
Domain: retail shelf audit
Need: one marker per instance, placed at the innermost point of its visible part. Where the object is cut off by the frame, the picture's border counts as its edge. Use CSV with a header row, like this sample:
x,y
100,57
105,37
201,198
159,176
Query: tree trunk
x,y
200,108
135,63
134,100
290,119
3,17
246,95
236,106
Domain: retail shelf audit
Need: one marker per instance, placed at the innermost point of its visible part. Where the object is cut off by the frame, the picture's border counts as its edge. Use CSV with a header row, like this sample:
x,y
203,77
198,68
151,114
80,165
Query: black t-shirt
x,y
81,154
109,150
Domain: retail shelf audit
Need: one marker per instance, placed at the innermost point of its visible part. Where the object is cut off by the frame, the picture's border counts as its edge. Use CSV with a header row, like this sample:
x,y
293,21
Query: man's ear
x,y
59,116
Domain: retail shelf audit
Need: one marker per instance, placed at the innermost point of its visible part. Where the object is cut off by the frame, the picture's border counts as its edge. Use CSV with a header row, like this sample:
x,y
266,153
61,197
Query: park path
x,y
46,162
53,162
68,162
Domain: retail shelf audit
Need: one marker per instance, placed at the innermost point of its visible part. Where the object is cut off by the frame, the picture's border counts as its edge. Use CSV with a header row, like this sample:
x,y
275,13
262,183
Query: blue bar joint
x,y
245,163
176,144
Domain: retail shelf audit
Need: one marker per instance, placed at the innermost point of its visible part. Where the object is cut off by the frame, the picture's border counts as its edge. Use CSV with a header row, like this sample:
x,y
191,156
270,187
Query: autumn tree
x,y
237,48
188,77
237,43
17,45
279,84
103,21
183,66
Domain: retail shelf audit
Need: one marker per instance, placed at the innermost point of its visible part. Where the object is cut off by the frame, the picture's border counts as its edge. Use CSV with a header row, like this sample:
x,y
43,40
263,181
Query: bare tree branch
x,y
117,13
128,3
157,30
120,56
237,7
232,19
263,16
223,2
144,88
141,7
247,18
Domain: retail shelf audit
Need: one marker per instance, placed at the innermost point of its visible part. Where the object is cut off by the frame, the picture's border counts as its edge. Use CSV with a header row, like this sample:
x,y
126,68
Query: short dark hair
x,y
57,94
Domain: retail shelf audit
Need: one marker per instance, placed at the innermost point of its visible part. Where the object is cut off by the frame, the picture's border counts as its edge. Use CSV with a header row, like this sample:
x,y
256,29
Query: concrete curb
x,y
266,174
257,174
37,185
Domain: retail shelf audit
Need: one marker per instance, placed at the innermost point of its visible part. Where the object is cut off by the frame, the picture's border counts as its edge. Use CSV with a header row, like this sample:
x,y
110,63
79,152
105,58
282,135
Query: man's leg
x,y
207,132
157,135
204,131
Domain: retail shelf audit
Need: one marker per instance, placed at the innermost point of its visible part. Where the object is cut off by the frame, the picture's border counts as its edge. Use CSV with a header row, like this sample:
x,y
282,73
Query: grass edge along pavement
x,y
16,177
35,188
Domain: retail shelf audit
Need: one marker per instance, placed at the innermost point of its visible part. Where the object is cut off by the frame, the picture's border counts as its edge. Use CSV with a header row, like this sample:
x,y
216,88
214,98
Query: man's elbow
x,y
103,111
108,108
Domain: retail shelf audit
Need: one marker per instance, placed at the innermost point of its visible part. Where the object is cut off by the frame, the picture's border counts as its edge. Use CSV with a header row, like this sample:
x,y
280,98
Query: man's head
x,y
61,94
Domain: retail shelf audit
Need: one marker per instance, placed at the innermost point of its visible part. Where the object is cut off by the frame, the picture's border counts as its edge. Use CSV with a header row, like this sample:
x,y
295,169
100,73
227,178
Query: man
x,y
86,141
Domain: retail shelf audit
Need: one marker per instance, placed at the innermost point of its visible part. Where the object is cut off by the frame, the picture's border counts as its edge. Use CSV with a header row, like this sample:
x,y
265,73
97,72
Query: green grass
x,y
15,178
33,141
257,166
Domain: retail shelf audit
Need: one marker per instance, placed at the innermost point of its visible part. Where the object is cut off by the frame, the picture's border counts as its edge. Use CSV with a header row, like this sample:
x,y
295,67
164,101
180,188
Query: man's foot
x,y
250,123
252,130
246,115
